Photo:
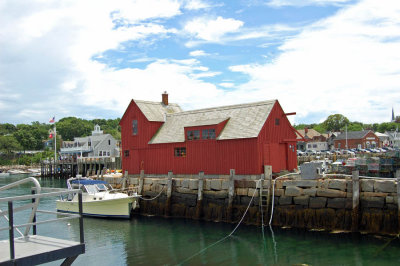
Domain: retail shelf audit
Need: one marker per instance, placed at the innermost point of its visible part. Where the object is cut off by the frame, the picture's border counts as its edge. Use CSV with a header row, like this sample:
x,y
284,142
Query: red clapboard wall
x,y
275,145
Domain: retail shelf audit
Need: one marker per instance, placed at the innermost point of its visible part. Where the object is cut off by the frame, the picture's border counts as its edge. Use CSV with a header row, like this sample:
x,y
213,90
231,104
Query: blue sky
x,y
90,58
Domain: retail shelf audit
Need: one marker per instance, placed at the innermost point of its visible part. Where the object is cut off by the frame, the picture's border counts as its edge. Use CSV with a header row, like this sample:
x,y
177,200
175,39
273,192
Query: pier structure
x,y
331,202
84,166
31,248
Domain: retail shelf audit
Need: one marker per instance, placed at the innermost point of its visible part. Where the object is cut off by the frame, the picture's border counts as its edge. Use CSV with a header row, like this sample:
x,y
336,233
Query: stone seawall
x,y
352,204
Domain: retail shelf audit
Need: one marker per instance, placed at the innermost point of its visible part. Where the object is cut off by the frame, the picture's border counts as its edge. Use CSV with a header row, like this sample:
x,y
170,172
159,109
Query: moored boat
x,y
98,199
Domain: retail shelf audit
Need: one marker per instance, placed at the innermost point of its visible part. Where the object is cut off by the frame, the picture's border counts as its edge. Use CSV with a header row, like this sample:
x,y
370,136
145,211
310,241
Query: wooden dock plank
x,y
39,249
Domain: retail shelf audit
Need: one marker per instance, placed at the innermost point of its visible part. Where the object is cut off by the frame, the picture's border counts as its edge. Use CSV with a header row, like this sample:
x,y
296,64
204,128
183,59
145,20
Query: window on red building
x,y
180,152
126,153
193,134
208,134
134,127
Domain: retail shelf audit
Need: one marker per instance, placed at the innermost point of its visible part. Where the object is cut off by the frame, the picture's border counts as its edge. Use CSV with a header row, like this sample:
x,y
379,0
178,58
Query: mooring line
x,y
155,196
233,231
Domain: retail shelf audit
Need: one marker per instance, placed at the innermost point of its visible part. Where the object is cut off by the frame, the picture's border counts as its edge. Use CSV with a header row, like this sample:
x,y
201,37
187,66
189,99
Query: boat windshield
x,y
101,187
91,189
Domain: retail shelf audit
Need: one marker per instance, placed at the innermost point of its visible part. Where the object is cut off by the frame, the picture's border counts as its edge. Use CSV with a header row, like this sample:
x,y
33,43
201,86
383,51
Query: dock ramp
x,y
29,248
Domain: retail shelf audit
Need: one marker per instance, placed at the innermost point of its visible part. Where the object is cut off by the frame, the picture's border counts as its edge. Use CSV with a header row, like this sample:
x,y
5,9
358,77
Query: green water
x,y
163,241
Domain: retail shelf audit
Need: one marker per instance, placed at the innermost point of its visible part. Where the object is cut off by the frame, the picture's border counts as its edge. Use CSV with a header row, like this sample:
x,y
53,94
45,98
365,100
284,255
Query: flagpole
x,y
55,143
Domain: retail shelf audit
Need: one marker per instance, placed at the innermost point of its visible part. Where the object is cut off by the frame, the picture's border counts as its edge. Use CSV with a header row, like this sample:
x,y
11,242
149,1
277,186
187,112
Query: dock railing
x,y
35,199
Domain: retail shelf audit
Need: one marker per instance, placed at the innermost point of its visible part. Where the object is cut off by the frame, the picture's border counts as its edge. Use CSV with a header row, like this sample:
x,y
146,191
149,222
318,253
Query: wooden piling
x,y
124,180
355,217
169,193
199,206
260,200
231,193
141,182
268,178
398,198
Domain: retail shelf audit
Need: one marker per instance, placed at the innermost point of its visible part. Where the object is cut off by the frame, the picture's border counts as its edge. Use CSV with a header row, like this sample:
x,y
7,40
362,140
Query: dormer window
x,y
208,133
193,134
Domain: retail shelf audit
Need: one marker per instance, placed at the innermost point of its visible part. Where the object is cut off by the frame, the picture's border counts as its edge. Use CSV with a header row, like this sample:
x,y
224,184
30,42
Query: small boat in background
x,y
98,199
17,172
2,173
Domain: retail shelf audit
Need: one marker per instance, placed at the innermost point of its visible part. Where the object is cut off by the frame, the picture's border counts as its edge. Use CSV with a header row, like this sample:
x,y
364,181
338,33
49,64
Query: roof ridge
x,y
152,102
226,107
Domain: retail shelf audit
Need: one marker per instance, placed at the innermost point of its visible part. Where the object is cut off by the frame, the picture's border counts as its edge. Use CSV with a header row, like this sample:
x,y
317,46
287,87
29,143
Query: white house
x,y
96,145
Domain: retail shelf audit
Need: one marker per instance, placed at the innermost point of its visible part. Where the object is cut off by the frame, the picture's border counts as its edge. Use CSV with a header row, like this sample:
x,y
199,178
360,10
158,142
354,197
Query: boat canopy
x,y
88,182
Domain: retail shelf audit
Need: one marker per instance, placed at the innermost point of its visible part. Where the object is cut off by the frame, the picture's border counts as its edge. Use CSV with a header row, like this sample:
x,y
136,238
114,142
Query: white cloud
x,y
280,3
228,85
50,46
197,53
196,4
345,64
210,29
178,77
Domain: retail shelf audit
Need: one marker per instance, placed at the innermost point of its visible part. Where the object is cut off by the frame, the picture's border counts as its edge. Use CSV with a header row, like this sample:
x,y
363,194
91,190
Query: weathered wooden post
x,y
268,177
124,180
260,201
231,193
169,193
102,173
199,205
141,182
356,201
398,197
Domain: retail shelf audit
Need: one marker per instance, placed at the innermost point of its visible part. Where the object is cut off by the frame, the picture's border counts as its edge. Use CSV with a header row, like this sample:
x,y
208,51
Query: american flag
x,y
52,120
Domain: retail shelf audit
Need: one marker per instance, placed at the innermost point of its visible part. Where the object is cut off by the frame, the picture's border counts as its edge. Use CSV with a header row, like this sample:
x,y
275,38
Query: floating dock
x,y
33,249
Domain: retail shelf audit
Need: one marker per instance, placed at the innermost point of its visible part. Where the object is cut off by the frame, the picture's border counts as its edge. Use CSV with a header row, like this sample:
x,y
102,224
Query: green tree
x,y
355,126
387,127
9,143
71,127
320,128
336,122
6,129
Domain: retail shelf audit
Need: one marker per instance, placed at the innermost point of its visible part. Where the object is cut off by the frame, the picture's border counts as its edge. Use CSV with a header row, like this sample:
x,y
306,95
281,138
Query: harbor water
x,y
167,241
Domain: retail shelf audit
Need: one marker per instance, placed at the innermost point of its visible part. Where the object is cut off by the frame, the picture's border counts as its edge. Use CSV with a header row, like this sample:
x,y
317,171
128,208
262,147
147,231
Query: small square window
x,y
277,121
180,152
126,153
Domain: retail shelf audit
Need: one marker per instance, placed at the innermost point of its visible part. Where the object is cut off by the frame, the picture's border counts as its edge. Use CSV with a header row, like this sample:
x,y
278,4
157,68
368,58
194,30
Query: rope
x,y
273,194
273,202
155,196
233,231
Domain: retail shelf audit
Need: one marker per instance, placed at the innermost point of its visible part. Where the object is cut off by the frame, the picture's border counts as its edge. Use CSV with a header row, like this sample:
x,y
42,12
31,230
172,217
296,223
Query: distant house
x,y
159,137
383,138
394,138
96,145
314,140
331,139
357,139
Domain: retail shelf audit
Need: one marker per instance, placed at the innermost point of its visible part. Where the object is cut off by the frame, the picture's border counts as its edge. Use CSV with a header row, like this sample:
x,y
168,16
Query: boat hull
x,y
113,208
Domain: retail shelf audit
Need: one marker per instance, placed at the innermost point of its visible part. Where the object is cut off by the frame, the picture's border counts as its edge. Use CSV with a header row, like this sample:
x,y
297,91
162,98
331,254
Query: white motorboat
x,y
98,199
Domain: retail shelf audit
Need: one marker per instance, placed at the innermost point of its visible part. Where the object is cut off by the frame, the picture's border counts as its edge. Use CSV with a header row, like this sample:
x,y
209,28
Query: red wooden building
x,y
357,140
158,137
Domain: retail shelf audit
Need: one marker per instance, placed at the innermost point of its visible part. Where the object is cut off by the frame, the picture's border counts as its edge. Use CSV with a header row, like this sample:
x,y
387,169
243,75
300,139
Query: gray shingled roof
x,y
93,138
154,111
244,121
353,135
